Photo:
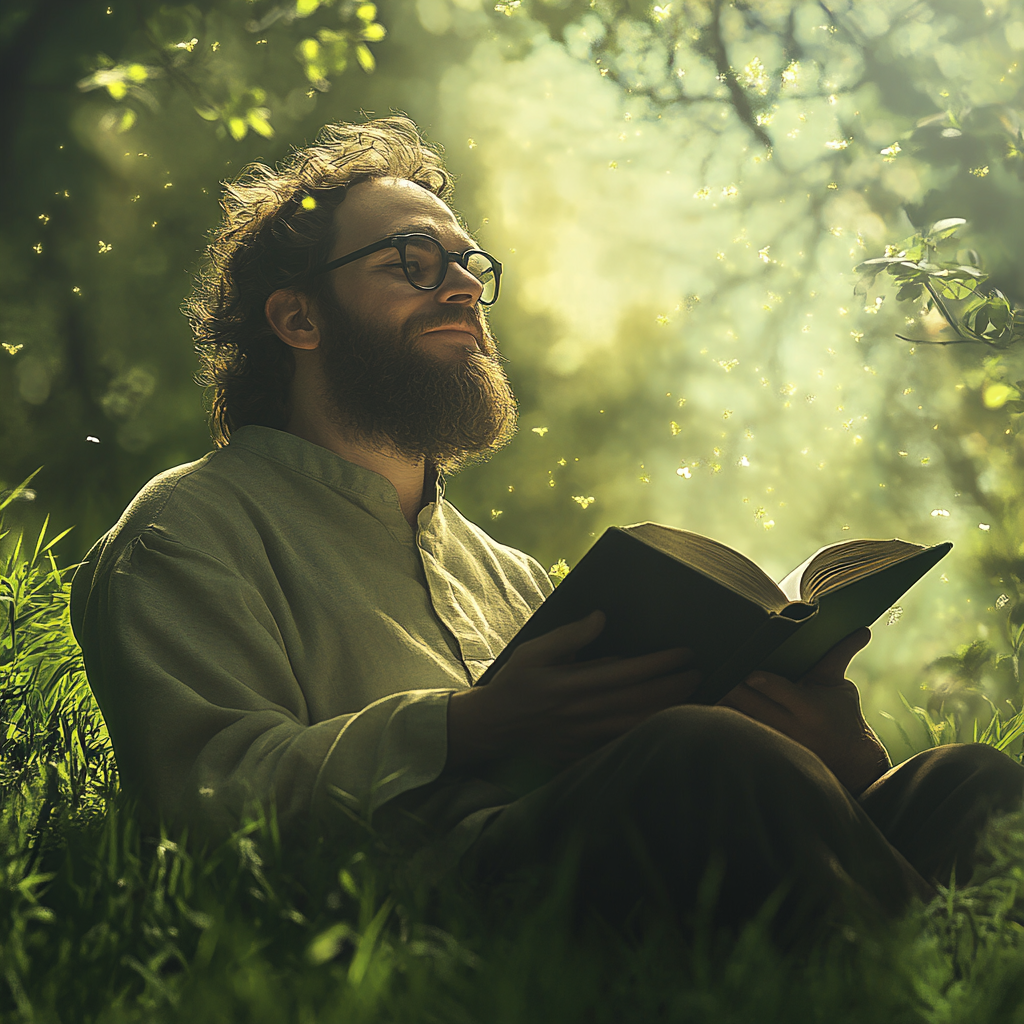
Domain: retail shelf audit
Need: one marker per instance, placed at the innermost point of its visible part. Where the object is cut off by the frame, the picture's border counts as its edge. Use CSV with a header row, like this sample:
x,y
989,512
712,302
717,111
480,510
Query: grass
x,y
100,923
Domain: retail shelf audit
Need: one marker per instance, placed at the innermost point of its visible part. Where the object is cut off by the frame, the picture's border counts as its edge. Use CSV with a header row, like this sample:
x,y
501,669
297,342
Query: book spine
x,y
773,632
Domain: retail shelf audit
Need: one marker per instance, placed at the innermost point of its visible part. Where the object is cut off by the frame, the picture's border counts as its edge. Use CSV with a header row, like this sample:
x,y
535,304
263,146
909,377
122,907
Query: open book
x,y
661,587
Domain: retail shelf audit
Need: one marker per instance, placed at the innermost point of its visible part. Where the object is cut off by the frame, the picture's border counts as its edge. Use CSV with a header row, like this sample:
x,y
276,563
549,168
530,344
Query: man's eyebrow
x,y
429,229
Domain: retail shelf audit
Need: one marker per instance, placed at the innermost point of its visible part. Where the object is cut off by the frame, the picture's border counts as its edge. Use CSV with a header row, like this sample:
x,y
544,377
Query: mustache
x,y
458,317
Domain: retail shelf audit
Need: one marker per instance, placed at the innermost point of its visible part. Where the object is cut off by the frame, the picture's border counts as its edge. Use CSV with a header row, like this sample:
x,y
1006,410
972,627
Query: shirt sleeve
x,y
205,713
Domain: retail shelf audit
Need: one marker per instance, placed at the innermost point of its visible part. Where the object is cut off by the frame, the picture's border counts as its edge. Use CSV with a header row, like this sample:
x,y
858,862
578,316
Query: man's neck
x,y
405,475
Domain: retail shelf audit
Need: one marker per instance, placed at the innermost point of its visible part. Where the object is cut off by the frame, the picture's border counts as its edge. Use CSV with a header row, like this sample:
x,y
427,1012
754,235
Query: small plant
x,y
56,761
950,287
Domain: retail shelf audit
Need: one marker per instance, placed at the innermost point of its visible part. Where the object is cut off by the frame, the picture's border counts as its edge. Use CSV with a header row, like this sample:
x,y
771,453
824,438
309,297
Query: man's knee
x,y
994,773
973,776
697,739
696,726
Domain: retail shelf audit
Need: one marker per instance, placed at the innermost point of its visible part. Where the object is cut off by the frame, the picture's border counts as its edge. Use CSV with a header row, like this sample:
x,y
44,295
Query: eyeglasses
x,y
425,262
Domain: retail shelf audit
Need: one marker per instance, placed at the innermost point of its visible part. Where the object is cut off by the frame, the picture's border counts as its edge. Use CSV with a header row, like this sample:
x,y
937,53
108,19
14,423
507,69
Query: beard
x,y
399,399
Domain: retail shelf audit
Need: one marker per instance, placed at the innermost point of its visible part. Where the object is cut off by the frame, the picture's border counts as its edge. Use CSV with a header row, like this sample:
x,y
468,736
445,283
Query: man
x,y
297,618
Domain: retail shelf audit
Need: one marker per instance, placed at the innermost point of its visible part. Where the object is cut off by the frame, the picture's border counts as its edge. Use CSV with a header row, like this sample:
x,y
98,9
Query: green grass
x,y
100,923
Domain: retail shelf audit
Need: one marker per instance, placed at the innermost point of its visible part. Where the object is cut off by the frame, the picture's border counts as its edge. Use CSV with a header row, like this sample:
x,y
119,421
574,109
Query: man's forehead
x,y
389,206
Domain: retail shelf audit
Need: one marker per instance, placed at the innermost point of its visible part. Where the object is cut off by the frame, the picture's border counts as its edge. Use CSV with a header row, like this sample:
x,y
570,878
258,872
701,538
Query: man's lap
x,y
695,788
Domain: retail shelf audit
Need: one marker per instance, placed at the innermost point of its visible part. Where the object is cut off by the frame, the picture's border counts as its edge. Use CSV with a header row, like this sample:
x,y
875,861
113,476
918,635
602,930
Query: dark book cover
x,y
653,600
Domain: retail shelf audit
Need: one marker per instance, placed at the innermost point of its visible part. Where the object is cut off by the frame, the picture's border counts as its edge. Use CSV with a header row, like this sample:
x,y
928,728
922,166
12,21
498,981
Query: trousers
x,y
704,808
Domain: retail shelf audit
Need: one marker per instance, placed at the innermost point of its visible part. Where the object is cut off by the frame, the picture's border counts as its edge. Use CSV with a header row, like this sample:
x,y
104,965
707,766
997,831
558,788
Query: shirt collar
x,y
321,464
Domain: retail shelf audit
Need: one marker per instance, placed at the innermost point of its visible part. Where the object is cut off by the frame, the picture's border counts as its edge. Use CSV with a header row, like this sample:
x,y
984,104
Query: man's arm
x,y
204,708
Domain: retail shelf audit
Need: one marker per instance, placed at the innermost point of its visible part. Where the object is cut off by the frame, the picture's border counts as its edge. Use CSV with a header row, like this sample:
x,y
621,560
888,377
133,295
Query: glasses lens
x,y
425,262
481,267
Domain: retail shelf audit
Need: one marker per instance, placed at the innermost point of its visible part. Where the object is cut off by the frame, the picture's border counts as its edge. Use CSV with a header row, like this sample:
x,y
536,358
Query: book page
x,y
864,594
714,559
839,565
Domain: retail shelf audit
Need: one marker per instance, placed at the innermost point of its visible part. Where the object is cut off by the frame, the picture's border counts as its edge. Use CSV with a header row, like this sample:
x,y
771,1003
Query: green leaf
x,y
943,229
15,492
328,944
957,289
365,57
999,313
258,119
238,128
368,942
997,395
909,291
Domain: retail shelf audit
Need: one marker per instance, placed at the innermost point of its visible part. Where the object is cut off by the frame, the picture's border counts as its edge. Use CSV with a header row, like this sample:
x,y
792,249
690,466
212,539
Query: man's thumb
x,y
833,665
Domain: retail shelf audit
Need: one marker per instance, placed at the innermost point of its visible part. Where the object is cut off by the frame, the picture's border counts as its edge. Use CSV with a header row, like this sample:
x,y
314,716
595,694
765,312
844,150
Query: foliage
x,y
203,55
677,192
56,764
983,317
102,922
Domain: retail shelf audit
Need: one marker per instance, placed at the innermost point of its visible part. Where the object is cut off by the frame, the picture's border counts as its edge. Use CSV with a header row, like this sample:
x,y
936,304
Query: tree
x,y
679,193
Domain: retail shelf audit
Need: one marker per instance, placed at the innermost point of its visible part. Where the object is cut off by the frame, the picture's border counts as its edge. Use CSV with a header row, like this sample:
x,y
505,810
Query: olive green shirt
x,y
265,624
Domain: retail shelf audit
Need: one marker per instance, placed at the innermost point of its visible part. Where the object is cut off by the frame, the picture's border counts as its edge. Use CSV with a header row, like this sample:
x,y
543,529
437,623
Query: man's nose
x,y
460,286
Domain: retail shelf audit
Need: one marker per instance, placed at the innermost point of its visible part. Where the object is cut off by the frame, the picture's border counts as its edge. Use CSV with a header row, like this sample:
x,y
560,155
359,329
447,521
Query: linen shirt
x,y
265,624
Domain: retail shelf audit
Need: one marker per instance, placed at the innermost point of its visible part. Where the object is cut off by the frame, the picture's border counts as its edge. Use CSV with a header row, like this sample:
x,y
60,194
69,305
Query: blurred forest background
x,y
679,194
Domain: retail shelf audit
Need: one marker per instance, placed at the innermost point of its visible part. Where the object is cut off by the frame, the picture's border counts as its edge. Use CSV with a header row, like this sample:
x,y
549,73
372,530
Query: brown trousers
x,y
702,810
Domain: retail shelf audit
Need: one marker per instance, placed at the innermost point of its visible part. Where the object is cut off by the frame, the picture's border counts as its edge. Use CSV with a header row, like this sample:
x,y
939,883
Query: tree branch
x,y
716,51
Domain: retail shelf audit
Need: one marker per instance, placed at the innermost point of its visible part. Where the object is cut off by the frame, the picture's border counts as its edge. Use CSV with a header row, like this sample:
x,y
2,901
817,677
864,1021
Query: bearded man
x,y
297,618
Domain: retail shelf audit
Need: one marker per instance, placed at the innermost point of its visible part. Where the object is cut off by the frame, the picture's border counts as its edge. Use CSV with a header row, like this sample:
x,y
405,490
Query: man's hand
x,y
822,711
544,703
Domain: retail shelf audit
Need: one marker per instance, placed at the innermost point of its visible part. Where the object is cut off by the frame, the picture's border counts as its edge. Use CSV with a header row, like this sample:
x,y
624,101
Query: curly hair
x,y
277,226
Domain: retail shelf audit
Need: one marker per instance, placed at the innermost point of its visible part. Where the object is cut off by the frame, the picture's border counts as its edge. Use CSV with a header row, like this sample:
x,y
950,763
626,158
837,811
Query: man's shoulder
x,y
196,504
175,498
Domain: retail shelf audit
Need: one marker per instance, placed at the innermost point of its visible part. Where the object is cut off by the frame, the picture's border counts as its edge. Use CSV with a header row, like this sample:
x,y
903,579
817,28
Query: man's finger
x,y
831,670
758,706
777,689
643,698
560,644
601,674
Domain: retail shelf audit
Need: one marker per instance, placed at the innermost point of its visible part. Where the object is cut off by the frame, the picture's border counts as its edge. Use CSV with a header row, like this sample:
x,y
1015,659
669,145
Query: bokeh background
x,y
679,194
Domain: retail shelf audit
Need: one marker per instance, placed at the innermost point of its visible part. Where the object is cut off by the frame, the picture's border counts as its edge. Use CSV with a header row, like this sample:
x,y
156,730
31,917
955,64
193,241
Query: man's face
x,y
413,371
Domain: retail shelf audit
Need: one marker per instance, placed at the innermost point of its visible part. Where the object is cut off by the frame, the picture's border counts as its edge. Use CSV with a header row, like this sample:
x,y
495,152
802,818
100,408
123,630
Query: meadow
x,y
100,922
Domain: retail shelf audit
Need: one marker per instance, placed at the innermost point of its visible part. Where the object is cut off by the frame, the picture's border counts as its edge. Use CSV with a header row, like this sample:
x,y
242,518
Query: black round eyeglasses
x,y
425,262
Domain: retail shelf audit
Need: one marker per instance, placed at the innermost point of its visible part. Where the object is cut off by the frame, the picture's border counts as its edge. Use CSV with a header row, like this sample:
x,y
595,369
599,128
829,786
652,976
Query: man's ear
x,y
289,314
